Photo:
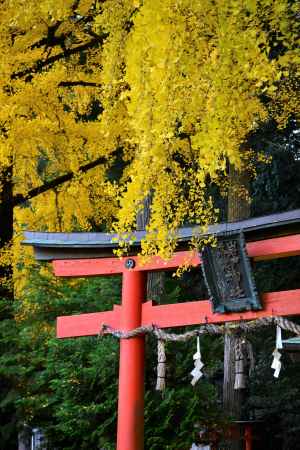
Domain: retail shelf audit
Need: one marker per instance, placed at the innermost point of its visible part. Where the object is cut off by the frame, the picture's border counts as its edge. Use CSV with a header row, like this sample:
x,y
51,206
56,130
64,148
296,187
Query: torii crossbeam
x,y
90,254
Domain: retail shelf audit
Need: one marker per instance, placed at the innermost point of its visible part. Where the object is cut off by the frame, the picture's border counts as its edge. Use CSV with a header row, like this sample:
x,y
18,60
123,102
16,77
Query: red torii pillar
x,y
134,312
130,433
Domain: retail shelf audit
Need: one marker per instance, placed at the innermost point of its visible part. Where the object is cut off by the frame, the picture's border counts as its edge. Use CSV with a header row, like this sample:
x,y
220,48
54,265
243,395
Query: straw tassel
x,y
240,376
161,365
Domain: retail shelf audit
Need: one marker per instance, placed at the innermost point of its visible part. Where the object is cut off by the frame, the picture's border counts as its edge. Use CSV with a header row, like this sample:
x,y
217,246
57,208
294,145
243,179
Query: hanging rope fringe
x,y
243,348
240,376
161,365
244,362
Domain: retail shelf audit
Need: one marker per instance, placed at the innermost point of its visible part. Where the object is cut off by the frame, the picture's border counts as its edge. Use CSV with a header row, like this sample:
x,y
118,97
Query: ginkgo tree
x,y
168,92
104,103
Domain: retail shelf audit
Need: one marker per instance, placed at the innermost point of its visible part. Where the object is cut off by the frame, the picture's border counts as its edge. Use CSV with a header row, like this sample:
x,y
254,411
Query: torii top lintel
x,y
55,246
91,254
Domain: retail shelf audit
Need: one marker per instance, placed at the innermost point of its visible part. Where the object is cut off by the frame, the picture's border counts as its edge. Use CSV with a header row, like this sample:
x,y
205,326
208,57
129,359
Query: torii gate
x,y
91,254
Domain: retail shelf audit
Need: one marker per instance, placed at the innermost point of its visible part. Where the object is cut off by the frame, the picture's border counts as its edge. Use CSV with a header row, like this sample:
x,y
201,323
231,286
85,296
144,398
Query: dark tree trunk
x,y
6,229
238,209
155,280
7,415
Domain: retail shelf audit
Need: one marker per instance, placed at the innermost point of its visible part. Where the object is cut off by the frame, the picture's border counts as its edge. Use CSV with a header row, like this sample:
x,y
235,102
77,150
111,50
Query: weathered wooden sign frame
x,y
228,275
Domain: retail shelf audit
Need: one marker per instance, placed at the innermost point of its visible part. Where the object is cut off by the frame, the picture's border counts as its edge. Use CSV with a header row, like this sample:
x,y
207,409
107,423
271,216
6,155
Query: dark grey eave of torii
x,y
50,246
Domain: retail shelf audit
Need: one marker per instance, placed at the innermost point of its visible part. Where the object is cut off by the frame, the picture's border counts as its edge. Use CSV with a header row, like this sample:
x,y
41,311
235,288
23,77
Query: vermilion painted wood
x,y
283,303
112,266
260,250
88,324
248,435
279,247
130,435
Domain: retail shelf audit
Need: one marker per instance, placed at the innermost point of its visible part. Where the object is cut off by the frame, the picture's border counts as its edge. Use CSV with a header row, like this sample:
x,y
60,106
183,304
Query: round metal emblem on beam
x,y
130,263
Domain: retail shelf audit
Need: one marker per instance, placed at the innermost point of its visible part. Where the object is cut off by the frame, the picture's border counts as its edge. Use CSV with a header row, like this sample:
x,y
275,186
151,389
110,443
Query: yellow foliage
x,y
174,88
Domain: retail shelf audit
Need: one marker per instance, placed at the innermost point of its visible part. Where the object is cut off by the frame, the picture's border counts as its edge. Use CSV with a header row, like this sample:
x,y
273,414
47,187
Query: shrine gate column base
x,y
132,360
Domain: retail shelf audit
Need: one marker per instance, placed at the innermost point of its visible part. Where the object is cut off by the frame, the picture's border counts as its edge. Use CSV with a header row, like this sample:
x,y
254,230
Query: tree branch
x,y
78,83
71,51
20,198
